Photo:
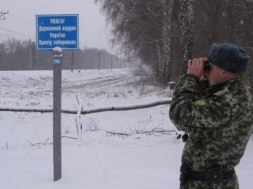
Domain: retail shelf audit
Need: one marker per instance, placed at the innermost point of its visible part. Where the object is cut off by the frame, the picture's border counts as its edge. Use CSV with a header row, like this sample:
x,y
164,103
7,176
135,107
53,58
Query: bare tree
x,y
186,21
165,66
143,29
164,34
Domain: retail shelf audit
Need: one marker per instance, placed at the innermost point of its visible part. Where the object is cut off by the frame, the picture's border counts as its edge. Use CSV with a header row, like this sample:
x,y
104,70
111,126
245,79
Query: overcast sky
x,y
20,23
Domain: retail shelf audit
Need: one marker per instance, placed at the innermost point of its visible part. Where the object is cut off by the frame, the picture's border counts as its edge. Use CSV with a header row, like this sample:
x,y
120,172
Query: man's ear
x,y
225,74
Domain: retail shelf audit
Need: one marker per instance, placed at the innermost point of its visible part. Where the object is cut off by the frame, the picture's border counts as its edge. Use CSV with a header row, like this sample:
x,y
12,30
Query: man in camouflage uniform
x,y
218,121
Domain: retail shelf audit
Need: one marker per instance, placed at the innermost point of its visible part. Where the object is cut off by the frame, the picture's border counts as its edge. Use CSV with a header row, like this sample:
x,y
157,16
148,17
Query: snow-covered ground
x,y
139,159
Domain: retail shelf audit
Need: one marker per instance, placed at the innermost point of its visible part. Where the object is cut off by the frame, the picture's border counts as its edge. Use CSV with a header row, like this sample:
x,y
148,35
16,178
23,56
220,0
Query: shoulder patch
x,y
222,92
200,102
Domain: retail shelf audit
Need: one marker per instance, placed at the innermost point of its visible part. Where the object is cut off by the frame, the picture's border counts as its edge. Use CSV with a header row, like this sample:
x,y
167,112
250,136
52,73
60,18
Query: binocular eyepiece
x,y
207,66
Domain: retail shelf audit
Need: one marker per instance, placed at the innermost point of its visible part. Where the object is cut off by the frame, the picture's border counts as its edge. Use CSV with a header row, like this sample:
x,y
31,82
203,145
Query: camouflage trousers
x,y
224,184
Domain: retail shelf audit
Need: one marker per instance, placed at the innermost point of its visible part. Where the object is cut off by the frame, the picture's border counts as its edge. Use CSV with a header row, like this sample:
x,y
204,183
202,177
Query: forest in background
x,y
23,55
164,34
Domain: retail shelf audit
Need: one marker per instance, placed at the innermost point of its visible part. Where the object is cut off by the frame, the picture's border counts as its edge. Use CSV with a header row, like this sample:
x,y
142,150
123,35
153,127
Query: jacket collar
x,y
228,85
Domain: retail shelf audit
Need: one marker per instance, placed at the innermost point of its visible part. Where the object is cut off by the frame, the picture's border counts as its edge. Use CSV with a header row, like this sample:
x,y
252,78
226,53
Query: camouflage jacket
x,y
219,124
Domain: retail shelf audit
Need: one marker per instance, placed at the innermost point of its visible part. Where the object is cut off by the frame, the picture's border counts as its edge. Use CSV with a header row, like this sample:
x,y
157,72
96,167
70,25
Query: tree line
x,y
23,55
164,34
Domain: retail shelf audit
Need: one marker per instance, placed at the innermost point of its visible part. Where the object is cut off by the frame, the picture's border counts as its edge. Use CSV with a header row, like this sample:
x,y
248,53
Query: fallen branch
x,y
90,111
26,110
153,131
118,134
75,138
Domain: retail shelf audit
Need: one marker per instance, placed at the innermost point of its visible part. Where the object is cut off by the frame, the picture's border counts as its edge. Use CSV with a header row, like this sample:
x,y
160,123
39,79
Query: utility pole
x,y
72,60
31,52
99,63
2,15
111,61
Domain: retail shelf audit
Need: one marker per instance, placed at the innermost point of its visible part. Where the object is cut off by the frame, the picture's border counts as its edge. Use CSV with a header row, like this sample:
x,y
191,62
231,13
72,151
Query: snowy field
x,y
118,150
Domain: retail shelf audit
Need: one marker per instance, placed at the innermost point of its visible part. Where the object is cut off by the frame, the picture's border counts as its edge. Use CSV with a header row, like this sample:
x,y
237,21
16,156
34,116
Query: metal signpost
x,y
57,32
57,61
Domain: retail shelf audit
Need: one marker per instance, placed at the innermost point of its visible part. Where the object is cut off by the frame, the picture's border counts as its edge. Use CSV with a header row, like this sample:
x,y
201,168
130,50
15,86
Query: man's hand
x,y
196,67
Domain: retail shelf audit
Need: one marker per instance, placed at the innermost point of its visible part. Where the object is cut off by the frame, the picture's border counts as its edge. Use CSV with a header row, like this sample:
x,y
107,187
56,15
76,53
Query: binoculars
x,y
207,66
